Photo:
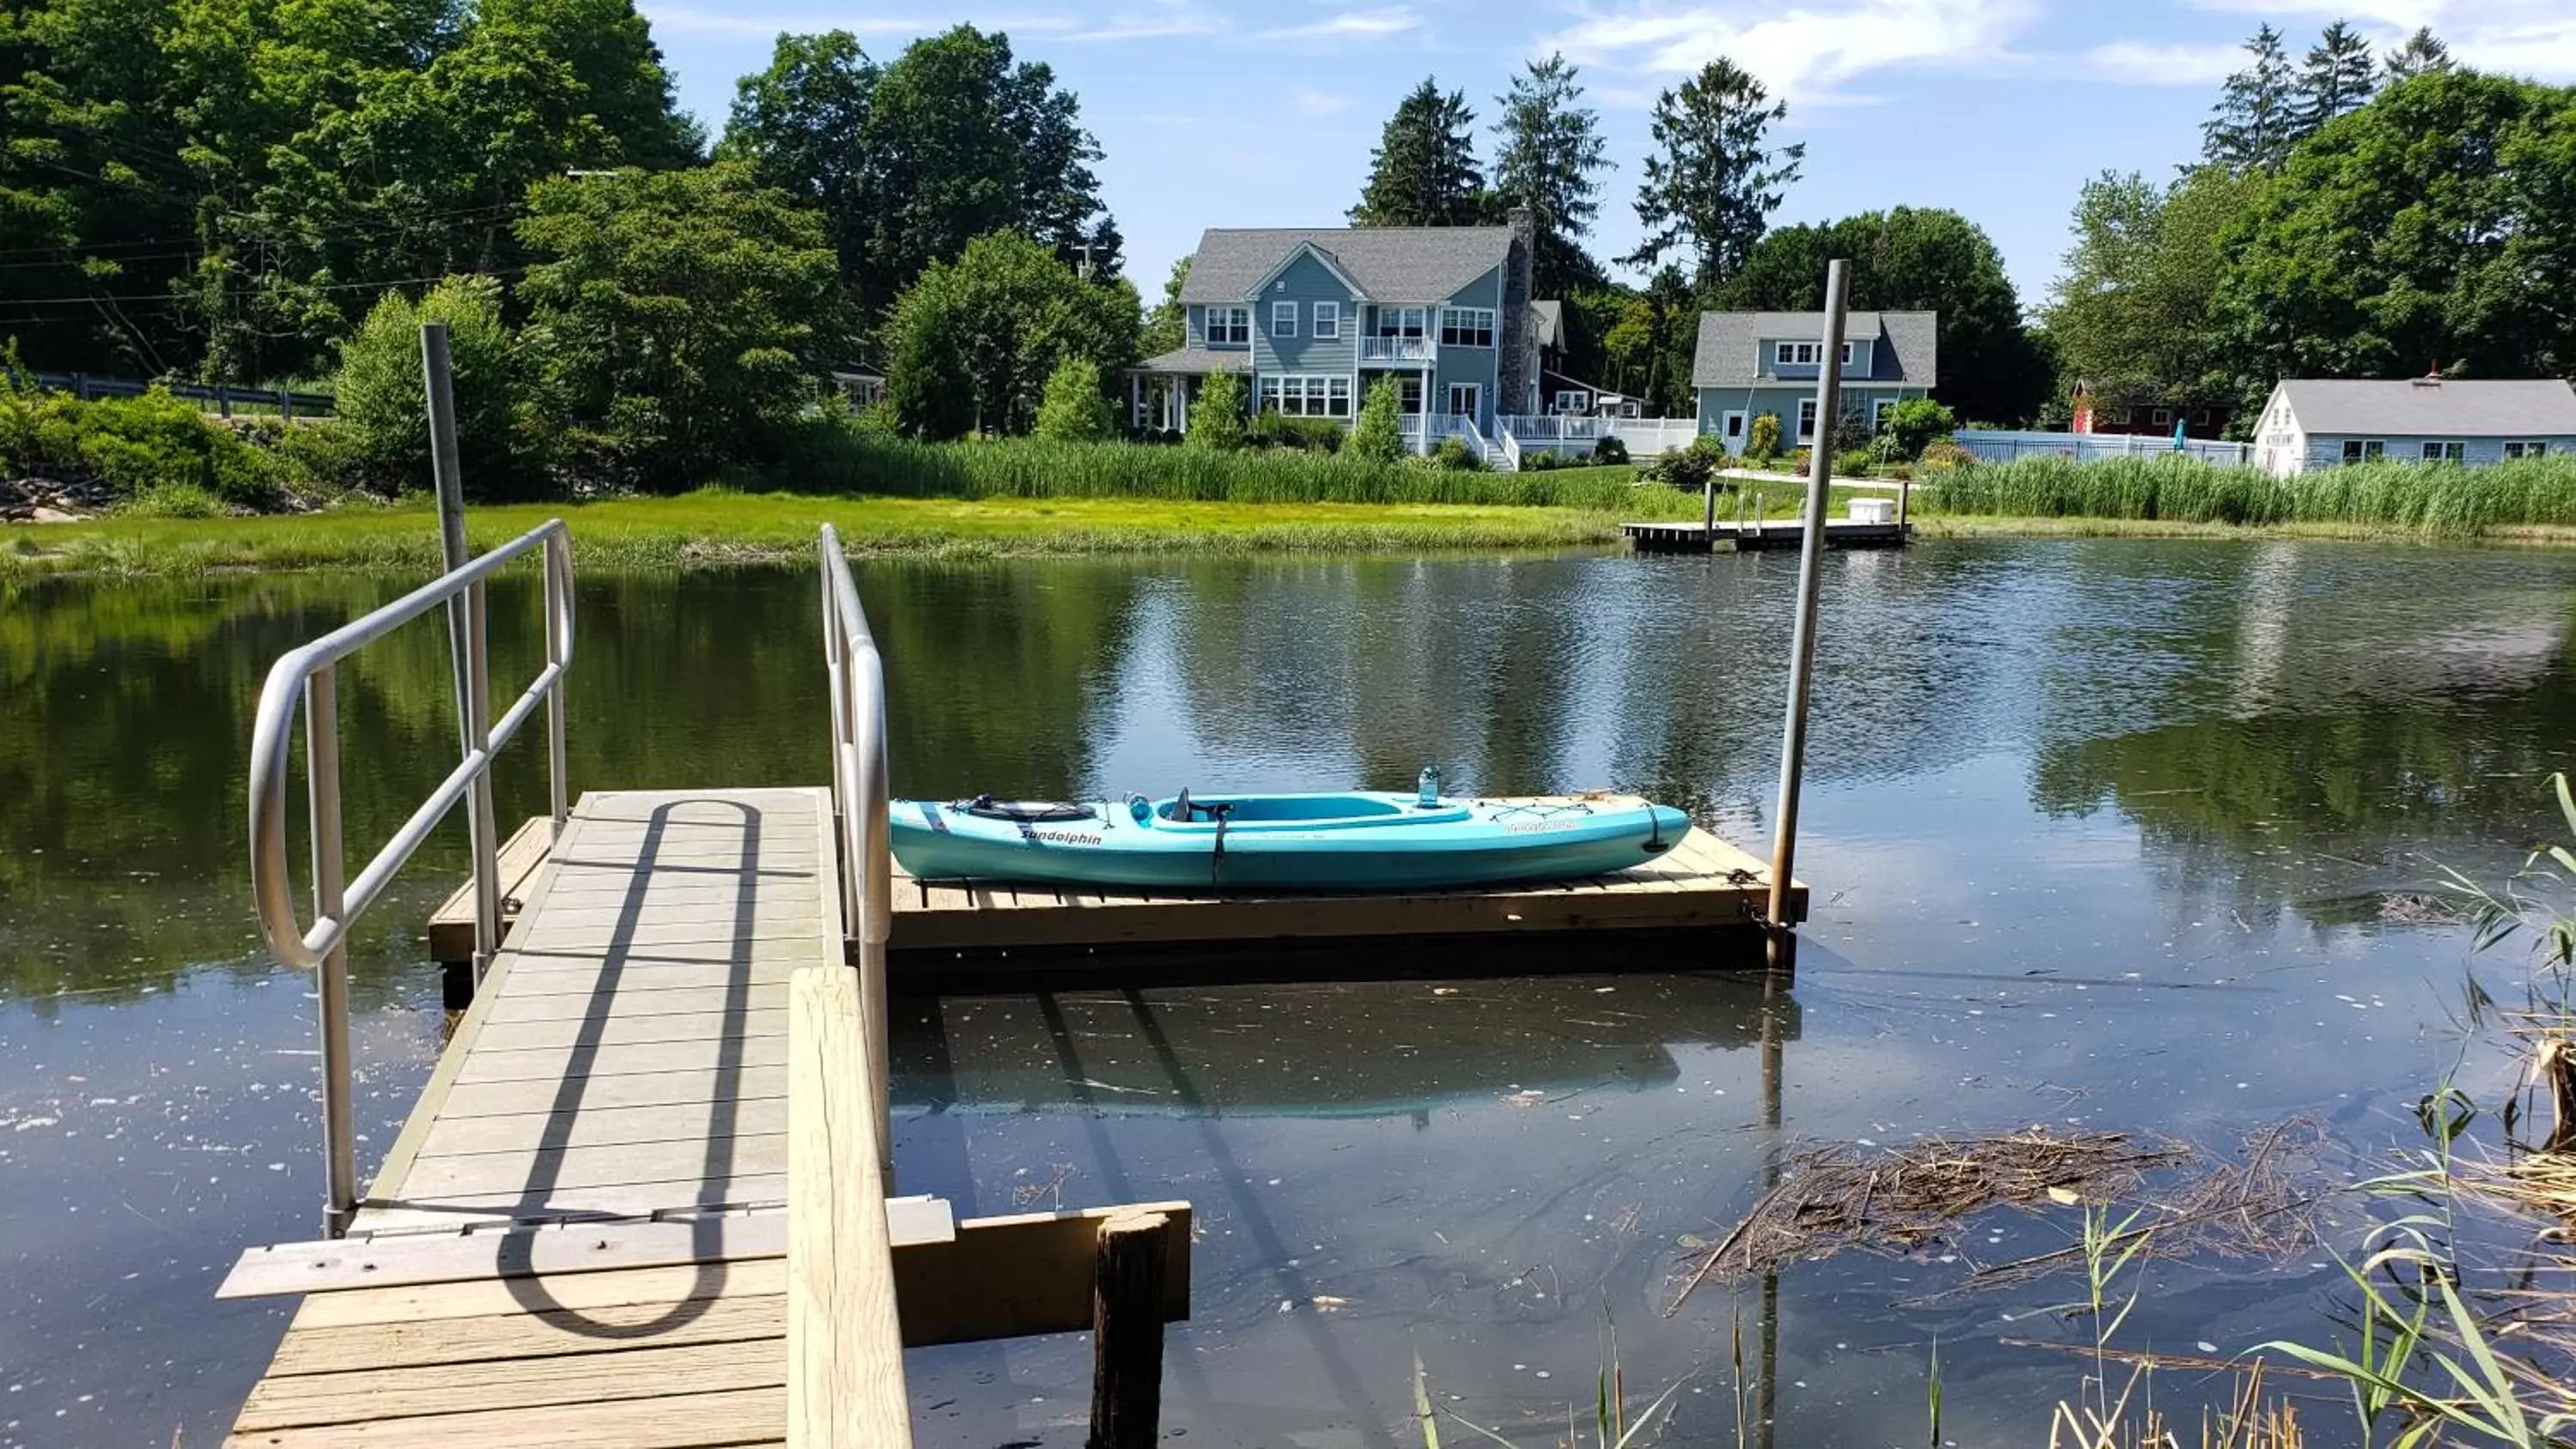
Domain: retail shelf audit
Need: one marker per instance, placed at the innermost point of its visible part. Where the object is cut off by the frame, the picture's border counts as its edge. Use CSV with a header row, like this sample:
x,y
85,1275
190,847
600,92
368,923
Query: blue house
x,y
1313,317
1751,363
2470,421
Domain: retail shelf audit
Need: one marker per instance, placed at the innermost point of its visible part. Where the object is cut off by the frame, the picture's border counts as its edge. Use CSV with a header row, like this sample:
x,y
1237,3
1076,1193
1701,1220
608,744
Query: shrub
x,y
1378,436
1541,461
1691,467
173,500
1075,410
1943,455
1306,435
1610,450
1854,463
1912,426
1763,443
133,445
1216,418
1851,431
1799,462
383,407
1454,455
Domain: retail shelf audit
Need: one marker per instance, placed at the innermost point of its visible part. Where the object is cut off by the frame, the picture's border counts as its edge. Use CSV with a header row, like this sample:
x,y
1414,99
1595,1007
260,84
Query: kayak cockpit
x,y
1292,812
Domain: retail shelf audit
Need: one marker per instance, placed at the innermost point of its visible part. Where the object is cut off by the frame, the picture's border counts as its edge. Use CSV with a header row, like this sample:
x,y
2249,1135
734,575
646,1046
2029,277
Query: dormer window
x,y
1804,354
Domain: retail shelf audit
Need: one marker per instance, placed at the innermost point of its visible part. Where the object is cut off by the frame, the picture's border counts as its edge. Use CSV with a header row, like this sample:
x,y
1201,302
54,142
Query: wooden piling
x,y
1127,1333
1802,642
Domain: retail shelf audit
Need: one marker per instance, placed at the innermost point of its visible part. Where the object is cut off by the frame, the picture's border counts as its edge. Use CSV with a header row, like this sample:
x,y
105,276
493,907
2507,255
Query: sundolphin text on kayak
x,y
1357,840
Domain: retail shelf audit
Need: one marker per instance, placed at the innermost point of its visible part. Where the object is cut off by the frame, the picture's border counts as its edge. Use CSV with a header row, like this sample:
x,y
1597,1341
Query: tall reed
x,y
2432,499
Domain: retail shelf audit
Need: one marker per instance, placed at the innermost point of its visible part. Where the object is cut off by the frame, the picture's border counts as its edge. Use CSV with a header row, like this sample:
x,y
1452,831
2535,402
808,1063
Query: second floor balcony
x,y
1398,349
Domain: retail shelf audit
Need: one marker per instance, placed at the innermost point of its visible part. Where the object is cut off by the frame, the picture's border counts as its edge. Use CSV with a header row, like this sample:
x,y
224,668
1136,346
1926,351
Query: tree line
x,y
2349,216
1706,193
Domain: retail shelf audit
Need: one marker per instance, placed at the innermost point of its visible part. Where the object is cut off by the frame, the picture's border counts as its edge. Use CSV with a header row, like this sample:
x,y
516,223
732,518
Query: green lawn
x,y
712,527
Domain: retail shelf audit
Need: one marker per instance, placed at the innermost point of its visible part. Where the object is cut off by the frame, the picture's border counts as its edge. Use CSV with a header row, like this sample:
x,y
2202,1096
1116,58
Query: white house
x,y
2318,424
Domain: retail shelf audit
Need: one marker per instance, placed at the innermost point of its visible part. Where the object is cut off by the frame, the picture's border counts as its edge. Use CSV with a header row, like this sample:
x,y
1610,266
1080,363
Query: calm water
x,y
2102,833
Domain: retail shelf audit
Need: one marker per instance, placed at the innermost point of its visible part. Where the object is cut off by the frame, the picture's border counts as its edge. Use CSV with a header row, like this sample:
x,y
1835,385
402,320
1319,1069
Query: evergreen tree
x,y
2250,127
1551,146
1074,410
1378,435
1216,418
1167,326
2337,78
1712,187
2420,55
1424,171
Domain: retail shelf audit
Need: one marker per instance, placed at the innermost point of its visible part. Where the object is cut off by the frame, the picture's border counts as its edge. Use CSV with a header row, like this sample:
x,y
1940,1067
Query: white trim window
x,y
1806,420
1572,400
2161,417
1731,427
1328,321
1283,319
1307,395
1466,399
2532,449
1229,326
2364,450
1466,326
1403,321
1408,393
2446,452
1878,412
1797,354
1847,354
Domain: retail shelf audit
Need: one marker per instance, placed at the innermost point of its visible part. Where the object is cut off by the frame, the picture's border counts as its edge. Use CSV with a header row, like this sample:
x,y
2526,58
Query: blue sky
x,y
1220,113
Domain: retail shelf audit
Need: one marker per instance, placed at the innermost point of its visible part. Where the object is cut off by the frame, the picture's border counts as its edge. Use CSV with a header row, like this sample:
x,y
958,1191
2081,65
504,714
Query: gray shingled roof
x,y
1550,317
2456,408
1908,351
1197,361
1391,263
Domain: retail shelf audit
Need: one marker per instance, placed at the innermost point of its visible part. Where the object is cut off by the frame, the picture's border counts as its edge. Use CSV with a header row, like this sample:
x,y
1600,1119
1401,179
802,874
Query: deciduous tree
x,y
1167,326
974,341
801,124
2131,313
683,318
1714,179
1424,171
501,426
1074,409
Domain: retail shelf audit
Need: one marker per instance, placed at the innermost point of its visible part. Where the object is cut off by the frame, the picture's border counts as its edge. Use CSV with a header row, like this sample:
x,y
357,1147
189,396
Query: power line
x,y
89,298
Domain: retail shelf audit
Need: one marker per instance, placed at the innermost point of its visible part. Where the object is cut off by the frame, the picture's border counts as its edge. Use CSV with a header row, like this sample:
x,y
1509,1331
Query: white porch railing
x,y
1398,349
1567,432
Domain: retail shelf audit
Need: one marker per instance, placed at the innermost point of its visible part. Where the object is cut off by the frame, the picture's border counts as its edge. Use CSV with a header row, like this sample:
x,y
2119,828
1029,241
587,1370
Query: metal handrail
x,y
309,676
856,674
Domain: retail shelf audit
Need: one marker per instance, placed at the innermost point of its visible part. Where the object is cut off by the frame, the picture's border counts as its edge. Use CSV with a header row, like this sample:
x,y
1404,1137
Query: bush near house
x,y
1689,468
1611,451
1378,435
1305,435
1910,427
1762,443
1216,419
1074,409
1854,464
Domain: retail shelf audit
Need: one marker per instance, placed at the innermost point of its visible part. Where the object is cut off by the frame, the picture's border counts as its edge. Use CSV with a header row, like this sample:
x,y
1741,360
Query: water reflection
x,y
2099,831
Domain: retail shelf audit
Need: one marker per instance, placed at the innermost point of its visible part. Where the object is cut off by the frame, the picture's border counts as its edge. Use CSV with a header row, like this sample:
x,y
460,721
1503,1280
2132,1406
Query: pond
x,y
2104,835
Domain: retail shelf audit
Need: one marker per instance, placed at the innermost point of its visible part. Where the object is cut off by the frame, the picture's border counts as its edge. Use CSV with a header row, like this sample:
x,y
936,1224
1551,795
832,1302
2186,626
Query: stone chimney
x,y
1517,377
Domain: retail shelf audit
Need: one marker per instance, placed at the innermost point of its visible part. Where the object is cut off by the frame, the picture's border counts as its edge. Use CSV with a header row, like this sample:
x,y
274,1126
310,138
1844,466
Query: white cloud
x,y
2137,62
1353,25
1804,52
1170,19
2516,37
1314,104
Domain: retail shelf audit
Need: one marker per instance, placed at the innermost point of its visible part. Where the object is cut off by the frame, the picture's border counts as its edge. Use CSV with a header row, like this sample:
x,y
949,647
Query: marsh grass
x,y
2431,500
714,528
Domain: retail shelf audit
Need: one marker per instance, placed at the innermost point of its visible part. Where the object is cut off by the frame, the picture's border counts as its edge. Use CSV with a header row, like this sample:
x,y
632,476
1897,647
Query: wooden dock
x,y
579,1237
1750,537
1702,883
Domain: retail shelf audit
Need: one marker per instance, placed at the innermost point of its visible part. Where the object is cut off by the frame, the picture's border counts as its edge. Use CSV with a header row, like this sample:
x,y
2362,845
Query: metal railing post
x,y
558,562
322,781
478,743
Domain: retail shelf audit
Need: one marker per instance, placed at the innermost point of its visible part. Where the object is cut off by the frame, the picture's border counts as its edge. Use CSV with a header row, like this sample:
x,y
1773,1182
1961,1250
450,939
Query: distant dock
x,y
1755,536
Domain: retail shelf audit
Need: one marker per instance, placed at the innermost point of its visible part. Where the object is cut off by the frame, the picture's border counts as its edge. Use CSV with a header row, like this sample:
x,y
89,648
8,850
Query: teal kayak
x,y
1354,841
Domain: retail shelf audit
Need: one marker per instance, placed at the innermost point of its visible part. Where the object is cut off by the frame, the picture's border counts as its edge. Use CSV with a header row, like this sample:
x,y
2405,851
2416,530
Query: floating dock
x,y
1750,537
1702,883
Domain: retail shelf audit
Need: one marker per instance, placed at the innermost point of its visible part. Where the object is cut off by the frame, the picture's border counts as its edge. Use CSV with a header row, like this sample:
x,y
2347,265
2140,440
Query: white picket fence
x,y
2003,447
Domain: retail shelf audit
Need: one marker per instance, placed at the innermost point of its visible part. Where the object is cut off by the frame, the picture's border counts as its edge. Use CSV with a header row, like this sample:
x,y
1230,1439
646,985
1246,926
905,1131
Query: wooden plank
x,y
620,1029
540,934
550,1063
588,1124
491,1210
844,1341
704,1086
637,1288
689,954
625,1000
451,926
706,1160
728,1315
679,1421
1028,1273
362,1395
406,1260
